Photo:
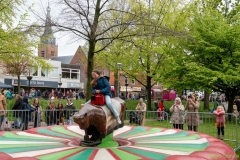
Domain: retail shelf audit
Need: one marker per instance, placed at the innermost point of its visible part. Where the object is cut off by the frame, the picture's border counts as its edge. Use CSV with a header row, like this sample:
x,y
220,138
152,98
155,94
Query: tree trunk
x,y
18,76
90,69
148,88
206,101
230,104
230,94
92,44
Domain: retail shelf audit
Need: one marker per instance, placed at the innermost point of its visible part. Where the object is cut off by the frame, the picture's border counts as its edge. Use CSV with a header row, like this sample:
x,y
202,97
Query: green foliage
x,y
209,55
17,40
156,30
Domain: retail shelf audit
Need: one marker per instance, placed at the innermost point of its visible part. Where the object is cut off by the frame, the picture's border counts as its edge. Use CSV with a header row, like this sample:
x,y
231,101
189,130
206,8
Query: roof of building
x,y
63,59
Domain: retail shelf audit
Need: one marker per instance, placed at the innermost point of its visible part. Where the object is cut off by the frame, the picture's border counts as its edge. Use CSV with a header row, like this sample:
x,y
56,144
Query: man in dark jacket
x,y
17,106
70,109
27,115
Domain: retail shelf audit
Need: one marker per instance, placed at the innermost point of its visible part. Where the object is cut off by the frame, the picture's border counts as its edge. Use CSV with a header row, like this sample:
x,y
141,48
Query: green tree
x,y
147,55
20,57
17,40
210,56
90,21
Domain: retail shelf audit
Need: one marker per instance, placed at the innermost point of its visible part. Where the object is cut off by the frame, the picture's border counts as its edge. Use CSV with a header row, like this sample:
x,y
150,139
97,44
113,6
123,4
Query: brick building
x,y
71,64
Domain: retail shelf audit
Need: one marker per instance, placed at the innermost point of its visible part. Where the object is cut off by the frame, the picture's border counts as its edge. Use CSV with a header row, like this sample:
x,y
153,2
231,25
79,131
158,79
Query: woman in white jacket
x,y
177,117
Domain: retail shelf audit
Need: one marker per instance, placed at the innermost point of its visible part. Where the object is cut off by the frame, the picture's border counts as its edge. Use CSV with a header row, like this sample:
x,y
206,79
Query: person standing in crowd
x,y
27,113
192,117
177,117
51,114
155,107
46,94
37,114
220,121
141,108
67,94
5,92
235,111
81,94
9,94
74,95
70,109
101,85
55,94
60,95
3,107
22,92
70,94
77,94
237,101
33,93
38,94
60,113
215,105
17,114
161,110
51,95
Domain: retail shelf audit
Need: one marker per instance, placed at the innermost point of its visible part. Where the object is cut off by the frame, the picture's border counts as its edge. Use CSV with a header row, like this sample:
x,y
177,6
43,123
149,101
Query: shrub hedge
x,y
131,104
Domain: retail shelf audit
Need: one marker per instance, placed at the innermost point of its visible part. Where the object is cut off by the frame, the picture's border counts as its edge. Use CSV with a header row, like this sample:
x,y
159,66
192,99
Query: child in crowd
x,y
235,111
160,111
220,120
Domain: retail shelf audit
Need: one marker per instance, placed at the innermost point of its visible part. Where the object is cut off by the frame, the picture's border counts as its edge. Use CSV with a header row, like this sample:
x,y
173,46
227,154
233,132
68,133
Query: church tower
x,y
48,48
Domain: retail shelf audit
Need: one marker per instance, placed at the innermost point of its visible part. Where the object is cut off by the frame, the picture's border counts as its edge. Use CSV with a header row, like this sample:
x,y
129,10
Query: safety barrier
x,y
24,119
206,125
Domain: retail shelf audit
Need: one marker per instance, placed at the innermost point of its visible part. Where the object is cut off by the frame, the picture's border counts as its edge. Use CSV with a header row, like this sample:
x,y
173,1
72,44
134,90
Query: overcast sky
x,y
64,47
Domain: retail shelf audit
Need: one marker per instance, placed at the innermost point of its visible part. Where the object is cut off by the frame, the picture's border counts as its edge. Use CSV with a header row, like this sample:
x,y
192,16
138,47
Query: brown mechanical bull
x,y
98,121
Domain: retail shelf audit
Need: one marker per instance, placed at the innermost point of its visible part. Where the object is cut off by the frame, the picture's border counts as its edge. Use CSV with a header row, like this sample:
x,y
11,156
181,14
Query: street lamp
x,y
29,79
126,83
60,82
119,65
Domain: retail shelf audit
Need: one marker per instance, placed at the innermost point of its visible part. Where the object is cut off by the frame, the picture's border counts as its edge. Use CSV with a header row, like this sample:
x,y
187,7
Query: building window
x,y
133,81
44,73
34,72
65,73
75,74
43,54
54,72
156,84
52,53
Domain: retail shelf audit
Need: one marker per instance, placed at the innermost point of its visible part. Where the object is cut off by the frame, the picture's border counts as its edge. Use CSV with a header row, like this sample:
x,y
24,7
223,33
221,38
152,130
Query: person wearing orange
x,y
3,107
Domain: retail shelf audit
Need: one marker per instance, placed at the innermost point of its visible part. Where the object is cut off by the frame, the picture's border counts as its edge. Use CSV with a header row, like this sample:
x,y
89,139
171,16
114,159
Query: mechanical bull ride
x,y
98,121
